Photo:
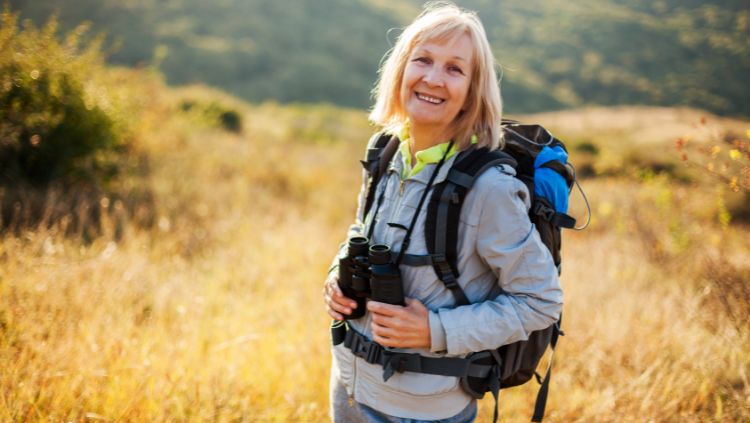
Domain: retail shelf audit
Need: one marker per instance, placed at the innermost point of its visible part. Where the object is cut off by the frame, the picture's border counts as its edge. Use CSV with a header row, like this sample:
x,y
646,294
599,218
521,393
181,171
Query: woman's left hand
x,y
400,327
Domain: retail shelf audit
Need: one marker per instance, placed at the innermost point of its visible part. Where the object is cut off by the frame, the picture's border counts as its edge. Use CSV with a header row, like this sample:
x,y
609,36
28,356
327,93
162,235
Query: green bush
x,y
587,147
213,113
57,124
231,120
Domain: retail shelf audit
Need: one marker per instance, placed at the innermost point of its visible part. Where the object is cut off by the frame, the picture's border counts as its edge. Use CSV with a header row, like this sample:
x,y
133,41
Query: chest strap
x,y
442,268
393,362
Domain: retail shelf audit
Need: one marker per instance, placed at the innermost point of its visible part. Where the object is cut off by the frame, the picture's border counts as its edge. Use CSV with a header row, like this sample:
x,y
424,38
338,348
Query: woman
x,y
438,91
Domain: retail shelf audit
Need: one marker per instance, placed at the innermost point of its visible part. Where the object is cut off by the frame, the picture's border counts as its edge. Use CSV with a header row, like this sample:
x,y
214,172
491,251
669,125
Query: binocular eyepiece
x,y
367,271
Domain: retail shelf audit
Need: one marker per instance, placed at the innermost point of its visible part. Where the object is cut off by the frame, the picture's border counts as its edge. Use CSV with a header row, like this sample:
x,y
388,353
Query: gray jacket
x,y
506,272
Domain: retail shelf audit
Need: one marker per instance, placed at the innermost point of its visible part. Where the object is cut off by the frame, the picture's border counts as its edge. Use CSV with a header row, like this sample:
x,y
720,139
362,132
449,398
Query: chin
x,y
422,117
418,119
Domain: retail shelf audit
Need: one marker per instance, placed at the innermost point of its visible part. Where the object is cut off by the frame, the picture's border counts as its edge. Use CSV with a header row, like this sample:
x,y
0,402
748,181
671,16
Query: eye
x,y
422,59
456,69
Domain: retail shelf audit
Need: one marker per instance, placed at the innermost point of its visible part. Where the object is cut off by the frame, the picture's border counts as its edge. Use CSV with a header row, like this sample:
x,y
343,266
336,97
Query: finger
x,y
339,297
383,320
340,304
386,342
413,303
326,296
384,308
335,315
383,331
339,307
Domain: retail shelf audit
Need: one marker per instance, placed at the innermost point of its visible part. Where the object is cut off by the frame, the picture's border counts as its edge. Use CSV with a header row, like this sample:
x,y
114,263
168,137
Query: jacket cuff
x,y
437,334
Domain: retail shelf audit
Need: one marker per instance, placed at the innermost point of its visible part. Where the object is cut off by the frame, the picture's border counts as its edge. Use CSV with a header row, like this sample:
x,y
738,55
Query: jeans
x,y
342,412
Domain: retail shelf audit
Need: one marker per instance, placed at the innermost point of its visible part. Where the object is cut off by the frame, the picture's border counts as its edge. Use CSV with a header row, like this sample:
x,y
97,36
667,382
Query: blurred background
x,y
175,177
554,55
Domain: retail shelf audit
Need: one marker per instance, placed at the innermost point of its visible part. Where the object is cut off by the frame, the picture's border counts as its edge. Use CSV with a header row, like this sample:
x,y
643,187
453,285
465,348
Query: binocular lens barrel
x,y
354,279
380,254
358,246
385,278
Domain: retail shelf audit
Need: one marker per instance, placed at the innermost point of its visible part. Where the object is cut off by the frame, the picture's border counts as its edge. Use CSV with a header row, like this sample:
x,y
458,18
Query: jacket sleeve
x,y
530,297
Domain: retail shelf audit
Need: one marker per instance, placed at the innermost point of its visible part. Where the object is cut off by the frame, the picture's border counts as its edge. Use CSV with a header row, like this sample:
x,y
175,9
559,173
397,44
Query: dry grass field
x,y
215,313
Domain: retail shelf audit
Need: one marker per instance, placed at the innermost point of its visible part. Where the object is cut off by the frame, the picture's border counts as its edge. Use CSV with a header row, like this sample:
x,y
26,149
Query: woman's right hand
x,y
337,304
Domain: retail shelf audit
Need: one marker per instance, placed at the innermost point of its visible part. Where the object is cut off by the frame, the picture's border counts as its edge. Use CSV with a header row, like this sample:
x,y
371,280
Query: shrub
x,y
214,114
56,123
587,147
726,159
728,292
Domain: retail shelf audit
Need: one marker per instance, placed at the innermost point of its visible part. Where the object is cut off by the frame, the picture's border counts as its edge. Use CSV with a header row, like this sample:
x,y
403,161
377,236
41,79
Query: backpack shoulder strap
x,y
444,209
380,150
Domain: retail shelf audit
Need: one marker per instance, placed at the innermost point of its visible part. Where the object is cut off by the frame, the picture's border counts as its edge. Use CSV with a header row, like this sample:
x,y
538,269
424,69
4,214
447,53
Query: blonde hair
x,y
481,114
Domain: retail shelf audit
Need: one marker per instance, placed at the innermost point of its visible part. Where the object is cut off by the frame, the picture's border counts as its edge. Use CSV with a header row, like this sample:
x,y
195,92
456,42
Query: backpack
x,y
540,163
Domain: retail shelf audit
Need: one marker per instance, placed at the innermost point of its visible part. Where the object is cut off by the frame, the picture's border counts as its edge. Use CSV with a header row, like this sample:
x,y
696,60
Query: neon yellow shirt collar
x,y
427,156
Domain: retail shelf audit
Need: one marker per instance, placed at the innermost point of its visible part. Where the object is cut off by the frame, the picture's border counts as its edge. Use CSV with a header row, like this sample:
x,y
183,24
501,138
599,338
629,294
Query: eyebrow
x,y
460,58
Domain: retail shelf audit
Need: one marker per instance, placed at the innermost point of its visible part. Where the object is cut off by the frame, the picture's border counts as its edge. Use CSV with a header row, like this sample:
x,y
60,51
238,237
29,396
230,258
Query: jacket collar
x,y
397,165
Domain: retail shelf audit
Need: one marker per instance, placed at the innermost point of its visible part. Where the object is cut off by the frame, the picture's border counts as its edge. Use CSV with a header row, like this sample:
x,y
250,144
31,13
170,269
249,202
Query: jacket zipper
x,y
395,208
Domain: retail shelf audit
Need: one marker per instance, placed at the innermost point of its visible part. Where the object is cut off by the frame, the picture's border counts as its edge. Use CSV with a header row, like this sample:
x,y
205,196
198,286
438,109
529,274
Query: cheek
x,y
462,92
404,87
407,86
403,96
410,75
465,87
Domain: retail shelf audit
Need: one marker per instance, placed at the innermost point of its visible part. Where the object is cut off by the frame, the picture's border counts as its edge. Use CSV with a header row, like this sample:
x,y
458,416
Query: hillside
x,y
554,55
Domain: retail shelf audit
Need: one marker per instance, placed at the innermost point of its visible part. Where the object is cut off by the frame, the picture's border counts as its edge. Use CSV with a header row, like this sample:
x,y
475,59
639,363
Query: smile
x,y
433,100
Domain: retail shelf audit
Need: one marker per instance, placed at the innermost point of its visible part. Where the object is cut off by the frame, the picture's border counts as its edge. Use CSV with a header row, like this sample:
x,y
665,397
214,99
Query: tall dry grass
x,y
215,312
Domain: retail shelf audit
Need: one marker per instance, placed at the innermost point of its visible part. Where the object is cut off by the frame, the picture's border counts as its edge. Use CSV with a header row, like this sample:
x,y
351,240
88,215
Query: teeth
x,y
432,100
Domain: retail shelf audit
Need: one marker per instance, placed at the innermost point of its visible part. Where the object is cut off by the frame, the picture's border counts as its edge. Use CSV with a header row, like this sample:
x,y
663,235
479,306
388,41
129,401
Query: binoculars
x,y
368,272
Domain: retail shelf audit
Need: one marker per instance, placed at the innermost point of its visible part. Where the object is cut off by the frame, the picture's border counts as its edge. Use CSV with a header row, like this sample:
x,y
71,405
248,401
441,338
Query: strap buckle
x,y
373,353
366,350
399,363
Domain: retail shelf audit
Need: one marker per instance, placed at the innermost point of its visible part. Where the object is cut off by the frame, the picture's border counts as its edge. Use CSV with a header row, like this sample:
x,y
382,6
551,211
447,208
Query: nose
x,y
433,77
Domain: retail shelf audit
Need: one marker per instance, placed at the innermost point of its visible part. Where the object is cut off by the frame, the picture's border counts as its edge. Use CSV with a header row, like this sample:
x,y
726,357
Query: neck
x,y
424,138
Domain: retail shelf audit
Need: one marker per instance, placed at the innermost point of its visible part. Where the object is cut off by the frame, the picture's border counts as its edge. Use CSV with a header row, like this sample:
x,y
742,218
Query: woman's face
x,y
436,82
